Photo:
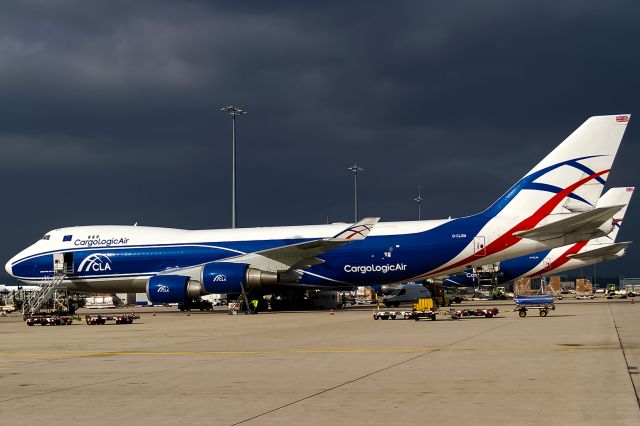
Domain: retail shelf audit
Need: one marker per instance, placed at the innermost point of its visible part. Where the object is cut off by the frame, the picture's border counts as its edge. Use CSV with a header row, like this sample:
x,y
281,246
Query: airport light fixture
x,y
234,112
419,200
355,169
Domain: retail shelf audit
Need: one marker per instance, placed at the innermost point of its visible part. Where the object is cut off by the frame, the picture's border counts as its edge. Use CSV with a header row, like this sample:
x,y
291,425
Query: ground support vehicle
x,y
543,310
543,303
423,308
192,305
7,309
414,315
405,293
385,315
49,319
585,297
498,293
433,314
418,315
487,313
119,319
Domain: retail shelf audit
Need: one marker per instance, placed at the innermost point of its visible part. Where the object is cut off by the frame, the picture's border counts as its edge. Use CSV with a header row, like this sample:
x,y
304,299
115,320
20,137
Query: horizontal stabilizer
x,y
587,221
607,250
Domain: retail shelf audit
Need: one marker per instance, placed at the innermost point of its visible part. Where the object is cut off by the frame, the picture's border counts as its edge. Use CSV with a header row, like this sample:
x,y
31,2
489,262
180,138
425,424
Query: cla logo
x,y
220,278
96,262
163,288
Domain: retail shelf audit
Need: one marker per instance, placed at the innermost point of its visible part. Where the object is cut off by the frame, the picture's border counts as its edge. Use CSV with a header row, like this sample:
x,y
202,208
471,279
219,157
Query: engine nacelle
x,y
167,289
220,277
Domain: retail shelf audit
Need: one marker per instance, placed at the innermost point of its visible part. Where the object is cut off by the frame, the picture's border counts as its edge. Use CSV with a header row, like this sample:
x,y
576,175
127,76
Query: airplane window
x,y
46,237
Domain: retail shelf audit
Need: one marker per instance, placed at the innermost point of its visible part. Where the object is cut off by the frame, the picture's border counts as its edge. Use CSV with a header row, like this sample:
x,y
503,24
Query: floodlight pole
x,y
355,169
234,112
419,200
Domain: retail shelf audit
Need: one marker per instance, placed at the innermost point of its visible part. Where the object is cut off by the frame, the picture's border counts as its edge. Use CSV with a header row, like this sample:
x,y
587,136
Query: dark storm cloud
x,y
109,110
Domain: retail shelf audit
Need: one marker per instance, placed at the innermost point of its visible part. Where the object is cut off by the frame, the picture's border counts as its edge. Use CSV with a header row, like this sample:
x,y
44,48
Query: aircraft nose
x,y
7,268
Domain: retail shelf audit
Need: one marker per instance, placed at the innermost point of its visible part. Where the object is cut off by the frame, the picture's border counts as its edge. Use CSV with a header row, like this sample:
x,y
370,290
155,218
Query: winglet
x,y
357,231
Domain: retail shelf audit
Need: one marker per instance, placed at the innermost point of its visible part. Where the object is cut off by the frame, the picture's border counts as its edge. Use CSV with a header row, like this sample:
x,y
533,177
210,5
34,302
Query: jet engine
x,y
167,289
213,277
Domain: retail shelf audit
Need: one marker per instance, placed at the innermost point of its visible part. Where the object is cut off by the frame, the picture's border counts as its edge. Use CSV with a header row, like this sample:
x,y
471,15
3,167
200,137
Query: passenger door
x,y
58,263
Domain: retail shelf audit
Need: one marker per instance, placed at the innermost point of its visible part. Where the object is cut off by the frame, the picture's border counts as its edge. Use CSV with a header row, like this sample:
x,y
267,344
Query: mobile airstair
x,y
49,289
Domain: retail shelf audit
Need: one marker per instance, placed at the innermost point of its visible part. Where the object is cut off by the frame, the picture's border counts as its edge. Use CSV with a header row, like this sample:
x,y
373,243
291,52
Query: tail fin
x,y
572,176
615,197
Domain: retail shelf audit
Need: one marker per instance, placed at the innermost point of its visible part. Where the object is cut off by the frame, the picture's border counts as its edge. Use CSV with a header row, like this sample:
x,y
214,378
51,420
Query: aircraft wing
x,y
586,221
607,250
303,255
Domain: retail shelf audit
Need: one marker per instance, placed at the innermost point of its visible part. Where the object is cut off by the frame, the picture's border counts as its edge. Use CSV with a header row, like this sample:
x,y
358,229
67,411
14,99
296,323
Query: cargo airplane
x,y
551,206
565,258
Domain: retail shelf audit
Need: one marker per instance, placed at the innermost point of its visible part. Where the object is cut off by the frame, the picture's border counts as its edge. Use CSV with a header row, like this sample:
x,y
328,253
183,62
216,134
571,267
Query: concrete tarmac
x,y
577,366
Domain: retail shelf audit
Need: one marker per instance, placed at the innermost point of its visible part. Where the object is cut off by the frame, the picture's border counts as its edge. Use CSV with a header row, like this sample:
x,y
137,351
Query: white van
x,y
406,293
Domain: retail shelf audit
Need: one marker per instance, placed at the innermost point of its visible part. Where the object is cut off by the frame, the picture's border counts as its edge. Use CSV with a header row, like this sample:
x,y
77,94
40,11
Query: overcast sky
x,y
109,110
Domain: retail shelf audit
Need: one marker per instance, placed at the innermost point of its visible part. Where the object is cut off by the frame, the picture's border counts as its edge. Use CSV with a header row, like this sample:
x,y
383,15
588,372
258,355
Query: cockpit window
x,y
46,237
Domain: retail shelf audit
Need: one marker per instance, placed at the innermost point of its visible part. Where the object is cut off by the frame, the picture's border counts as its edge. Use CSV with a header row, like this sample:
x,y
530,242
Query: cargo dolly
x,y
418,315
544,304
414,315
433,314
487,313
119,319
385,315
422,308
426,309
47,319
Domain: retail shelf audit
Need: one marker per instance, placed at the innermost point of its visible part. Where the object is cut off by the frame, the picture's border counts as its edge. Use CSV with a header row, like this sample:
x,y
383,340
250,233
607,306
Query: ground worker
x,y
254,306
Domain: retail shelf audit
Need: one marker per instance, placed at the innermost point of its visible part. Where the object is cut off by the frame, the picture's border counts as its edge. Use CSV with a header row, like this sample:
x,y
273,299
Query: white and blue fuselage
x,y
122,258
563,188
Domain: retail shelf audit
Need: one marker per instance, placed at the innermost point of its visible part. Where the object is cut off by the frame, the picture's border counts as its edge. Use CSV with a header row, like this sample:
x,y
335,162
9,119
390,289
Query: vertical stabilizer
x,y
572,176
615,197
